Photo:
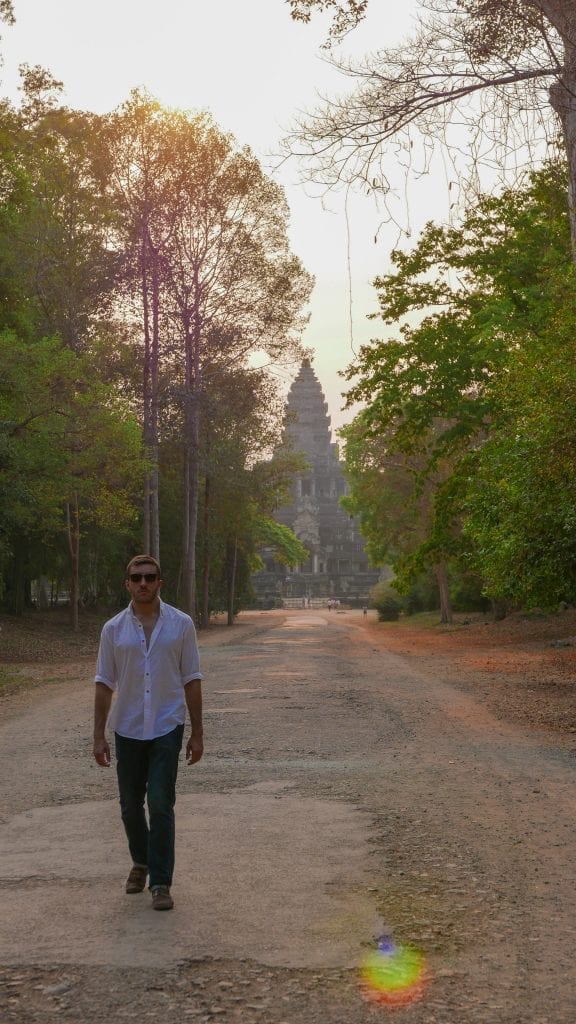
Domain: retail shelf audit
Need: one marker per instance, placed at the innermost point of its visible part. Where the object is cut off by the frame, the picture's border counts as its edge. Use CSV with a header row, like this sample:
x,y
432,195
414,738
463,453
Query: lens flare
x,y
393,974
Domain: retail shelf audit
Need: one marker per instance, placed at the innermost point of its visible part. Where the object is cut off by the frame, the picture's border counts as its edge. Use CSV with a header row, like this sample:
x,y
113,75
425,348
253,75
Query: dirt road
x,y
345,788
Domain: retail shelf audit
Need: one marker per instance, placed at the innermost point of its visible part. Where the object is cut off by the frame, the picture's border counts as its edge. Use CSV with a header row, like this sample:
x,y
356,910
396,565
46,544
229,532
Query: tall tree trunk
x,y
17,577
182,569
73,532
570,134
146,515
444,592
146,388
193,478
154,445
231,560
43,596
205,617
192,414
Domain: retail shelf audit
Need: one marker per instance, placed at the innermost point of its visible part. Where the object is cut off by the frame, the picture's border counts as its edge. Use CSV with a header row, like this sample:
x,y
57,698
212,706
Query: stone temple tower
x,y
337,566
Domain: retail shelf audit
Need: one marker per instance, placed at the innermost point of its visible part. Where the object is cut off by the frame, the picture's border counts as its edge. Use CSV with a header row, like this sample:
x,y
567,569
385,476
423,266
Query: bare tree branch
x,y
347,14
496,77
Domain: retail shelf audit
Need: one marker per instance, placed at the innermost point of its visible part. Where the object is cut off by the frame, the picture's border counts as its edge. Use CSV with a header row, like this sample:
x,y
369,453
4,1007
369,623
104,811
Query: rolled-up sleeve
x,y
105,664
190,657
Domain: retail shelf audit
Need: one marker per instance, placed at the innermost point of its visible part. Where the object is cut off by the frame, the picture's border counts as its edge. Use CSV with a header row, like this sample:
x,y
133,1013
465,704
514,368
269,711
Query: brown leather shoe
x,y
161,898
136,881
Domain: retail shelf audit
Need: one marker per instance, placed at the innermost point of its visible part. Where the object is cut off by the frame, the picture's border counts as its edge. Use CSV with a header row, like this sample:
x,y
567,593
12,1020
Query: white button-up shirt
x,y
148,679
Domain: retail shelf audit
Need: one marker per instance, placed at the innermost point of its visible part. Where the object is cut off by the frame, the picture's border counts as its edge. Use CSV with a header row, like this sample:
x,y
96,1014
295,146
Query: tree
x,y
472,387
518,510
234,286
266,486
149,233
69,456
209,263
55,247
502,66
239,425
399,502
57,277
287,547
146,164
470,299
241,419
103,472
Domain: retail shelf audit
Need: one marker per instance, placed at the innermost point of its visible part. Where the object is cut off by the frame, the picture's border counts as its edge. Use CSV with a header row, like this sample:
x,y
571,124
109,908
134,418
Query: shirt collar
x,y
130,610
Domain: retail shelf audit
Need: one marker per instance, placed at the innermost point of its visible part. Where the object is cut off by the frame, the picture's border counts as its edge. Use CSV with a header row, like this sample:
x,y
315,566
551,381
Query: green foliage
x,y
422,595
386,601
384,511
240,486
402,503
467,591
56,261
478,296
520,507
62,435
288,549
465,452
521,496
95,213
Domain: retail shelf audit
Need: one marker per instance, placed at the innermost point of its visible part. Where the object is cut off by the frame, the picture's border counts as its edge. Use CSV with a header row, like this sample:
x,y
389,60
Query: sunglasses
x,y
149,577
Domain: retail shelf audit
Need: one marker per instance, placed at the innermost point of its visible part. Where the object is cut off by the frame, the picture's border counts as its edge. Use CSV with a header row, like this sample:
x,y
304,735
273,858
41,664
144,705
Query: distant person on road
x,y
148,656
365,611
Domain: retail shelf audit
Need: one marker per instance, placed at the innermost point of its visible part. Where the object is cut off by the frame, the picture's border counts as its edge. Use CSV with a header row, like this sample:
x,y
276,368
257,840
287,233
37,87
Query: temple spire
x,y
336,566
308,423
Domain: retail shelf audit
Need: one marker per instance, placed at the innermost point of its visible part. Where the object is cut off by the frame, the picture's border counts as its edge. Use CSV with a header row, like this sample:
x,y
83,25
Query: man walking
x,y
148,656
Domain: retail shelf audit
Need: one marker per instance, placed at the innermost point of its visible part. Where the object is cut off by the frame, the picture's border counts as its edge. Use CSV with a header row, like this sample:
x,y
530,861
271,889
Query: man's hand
x,y
194,749
102,702
195,745
102,753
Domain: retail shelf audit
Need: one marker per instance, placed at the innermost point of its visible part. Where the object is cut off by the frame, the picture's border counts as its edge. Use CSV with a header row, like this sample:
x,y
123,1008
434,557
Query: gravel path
x,y
345,788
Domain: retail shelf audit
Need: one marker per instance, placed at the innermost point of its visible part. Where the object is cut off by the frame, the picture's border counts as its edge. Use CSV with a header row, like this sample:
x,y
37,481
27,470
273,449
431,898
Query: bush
x,y
386,601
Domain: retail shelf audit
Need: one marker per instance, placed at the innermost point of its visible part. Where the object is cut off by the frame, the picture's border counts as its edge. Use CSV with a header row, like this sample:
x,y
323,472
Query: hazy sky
x,y
253,68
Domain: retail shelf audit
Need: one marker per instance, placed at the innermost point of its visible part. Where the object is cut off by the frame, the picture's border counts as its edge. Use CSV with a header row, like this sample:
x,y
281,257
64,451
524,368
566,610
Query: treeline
x,y
144,259
462,463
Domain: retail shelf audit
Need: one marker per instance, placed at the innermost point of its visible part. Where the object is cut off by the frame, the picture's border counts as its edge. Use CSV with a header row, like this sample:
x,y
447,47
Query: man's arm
x,y
102,702
195,745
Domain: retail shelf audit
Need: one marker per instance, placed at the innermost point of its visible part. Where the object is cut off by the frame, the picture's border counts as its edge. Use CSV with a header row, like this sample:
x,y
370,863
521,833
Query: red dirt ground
x,y
523,667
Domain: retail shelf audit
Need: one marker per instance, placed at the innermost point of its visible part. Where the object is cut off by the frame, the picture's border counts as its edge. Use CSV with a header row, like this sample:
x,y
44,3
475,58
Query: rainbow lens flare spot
x,y
393,974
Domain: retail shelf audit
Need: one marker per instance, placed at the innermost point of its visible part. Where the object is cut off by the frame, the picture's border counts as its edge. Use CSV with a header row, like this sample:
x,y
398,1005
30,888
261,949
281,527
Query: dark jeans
x,y
148,769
